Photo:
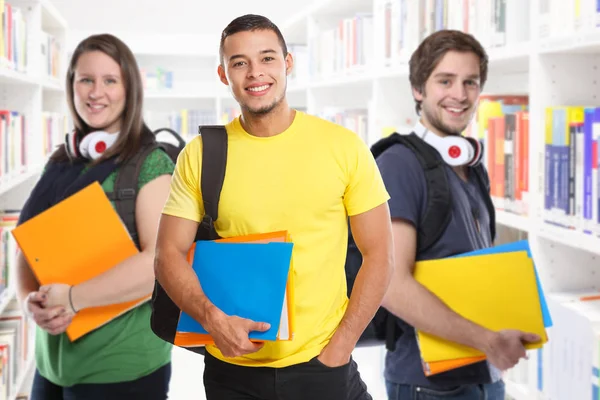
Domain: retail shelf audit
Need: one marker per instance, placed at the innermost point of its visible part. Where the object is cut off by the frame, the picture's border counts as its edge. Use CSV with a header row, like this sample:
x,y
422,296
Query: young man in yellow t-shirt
x,y
286,170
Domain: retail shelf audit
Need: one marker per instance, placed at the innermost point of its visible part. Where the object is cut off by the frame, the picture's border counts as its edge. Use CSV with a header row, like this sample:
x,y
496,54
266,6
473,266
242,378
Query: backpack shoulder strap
x,y
484,185
125,190
437,210
214,162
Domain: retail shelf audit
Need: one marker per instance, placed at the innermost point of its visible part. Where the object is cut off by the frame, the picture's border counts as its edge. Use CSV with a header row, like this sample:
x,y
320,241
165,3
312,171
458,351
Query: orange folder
x,y
437,367
188,339
76,240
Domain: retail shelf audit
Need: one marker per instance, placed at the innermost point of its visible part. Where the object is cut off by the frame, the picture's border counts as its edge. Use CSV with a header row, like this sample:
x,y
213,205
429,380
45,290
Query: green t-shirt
x,y
123,350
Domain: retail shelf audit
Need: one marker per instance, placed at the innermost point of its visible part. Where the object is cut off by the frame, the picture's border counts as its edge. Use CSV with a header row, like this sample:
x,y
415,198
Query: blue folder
x,y
522,245
243,279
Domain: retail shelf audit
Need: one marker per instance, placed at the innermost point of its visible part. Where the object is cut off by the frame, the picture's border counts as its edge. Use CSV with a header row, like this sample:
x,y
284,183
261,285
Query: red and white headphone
x,y
91,146
455,150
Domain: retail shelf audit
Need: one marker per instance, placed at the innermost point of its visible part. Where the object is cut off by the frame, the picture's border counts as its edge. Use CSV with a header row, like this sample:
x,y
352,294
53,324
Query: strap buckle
x,y
124,194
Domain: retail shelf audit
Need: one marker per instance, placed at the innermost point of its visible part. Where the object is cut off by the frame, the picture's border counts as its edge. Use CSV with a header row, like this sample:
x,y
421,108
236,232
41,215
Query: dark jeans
x,y
306,381
491,391
150,387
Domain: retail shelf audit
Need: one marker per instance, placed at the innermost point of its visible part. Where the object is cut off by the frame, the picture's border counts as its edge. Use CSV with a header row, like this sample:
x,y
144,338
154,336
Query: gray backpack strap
x,y
125,191
214,142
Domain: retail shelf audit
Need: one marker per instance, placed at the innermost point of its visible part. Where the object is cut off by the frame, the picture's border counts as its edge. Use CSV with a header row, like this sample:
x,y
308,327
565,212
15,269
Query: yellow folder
x,y
78,239
497,291
287,324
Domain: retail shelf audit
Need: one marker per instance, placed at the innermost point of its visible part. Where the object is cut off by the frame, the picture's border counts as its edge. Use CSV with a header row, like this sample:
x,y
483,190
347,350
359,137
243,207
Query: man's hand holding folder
x,y
505,348
231,333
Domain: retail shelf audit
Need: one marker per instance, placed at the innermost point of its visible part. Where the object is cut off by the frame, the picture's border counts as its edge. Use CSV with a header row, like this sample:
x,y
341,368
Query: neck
x,y
270,124
431,128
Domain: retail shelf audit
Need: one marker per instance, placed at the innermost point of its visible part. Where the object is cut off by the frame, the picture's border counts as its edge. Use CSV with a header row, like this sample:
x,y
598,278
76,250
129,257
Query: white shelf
x,y
51,18
519,391
513,220
12,77
569,237
6,297
13,180
23,377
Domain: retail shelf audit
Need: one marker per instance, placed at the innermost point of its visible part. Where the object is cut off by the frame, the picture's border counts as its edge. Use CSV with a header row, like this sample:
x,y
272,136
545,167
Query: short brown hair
x,y
250,23
431,51
132,122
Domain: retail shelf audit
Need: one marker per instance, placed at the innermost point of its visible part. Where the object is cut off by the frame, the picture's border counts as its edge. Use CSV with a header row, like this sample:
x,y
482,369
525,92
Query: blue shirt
x,y
468,230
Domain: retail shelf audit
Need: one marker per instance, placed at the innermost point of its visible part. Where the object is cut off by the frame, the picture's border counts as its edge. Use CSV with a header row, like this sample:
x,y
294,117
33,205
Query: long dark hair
x,y
133,129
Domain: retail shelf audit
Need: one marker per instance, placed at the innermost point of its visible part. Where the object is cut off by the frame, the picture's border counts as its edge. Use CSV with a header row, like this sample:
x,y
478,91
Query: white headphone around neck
x,y
456,151
90,146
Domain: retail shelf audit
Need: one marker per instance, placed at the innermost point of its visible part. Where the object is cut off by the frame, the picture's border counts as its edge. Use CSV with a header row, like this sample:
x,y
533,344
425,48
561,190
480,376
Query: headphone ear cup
x,y
457,151
94,144
478,151
72,144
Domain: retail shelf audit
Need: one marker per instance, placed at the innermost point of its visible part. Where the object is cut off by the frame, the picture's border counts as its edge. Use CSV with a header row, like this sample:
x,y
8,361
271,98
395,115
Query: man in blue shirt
x,y
447,73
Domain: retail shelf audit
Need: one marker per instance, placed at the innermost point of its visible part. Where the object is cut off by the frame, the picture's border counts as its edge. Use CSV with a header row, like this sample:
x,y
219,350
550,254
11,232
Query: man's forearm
x,y
367,293
178,279
422,309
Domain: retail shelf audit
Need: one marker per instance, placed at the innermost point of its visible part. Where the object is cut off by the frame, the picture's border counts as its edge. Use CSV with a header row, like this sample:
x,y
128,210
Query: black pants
x,y
150,387
311,381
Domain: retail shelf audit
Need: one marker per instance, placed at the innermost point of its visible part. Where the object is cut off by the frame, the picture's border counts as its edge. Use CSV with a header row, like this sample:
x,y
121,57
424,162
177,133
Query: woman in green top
x,y
122,359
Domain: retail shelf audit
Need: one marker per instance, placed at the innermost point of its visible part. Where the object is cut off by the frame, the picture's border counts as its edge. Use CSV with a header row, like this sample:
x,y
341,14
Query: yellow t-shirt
x,y
306,180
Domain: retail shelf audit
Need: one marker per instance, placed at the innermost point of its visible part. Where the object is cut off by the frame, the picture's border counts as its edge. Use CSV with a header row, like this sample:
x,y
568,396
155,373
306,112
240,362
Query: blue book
x,y
522,245
247,280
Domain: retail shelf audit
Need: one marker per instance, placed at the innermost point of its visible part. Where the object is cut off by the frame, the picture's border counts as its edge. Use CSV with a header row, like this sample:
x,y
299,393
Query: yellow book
x,y
497,291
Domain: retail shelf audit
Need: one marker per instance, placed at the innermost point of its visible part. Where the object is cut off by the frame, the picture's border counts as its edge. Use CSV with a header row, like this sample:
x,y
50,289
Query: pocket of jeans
x,y
318,362
422,393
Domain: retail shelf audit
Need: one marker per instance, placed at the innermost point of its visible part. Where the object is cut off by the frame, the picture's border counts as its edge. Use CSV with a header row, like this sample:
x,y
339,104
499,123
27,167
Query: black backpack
x,y
124,193
165,313
383,328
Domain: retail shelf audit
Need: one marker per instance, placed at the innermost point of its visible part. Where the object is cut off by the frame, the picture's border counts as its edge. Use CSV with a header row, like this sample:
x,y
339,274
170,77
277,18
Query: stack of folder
x,y
246,276
76,240
497,288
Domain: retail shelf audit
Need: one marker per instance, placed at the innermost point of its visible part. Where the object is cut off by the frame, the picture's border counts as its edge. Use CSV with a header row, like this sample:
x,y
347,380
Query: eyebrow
x,y
450,75
267,51
86,74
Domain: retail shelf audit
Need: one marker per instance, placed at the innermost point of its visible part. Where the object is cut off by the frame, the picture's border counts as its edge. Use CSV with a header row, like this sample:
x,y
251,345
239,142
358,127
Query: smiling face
x,y
256,69
451,92
99,91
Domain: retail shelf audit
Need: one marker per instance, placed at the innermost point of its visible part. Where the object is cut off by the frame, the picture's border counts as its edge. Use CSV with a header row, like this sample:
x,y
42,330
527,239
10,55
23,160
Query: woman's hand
x,y
53,319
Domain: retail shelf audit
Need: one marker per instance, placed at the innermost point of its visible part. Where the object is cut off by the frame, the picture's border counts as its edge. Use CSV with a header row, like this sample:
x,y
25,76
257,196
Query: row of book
x,y
502,125
18,146
493,22
185,121
571,195
13,38
14,146
564,18
349,44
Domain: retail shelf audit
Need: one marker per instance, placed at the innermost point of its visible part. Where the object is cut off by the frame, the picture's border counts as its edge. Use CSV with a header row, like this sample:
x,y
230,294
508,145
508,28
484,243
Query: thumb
x,y
259,326
530,337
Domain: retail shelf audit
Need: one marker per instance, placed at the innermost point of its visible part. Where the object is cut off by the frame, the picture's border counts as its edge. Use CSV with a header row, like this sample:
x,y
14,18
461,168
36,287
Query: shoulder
x,y
157,163
400,159
326,129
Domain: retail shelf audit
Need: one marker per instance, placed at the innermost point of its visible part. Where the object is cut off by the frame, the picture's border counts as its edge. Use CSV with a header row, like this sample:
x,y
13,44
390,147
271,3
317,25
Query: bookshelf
x,y
32,122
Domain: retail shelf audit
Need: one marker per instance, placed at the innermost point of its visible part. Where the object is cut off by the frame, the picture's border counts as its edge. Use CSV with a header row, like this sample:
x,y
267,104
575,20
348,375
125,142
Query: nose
x,y
97,90
255,71
459,92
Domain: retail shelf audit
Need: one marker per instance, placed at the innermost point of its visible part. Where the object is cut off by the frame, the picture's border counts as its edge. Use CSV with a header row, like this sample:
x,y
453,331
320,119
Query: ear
x,y
222,75
289,63
417,94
